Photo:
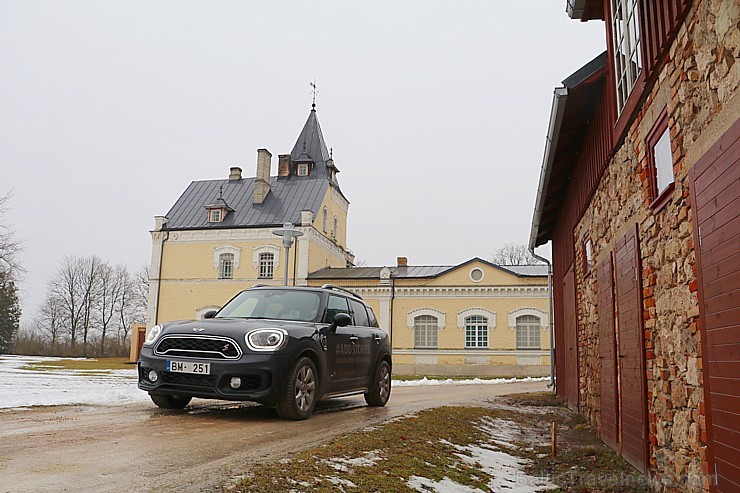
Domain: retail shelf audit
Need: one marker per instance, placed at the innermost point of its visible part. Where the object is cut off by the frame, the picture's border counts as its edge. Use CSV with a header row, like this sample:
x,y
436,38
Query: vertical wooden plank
x,y
570,332
714,195
632,383
607,354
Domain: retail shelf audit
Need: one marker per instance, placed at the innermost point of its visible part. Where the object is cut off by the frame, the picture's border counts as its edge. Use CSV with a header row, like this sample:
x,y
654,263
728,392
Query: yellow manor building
x,y
476,318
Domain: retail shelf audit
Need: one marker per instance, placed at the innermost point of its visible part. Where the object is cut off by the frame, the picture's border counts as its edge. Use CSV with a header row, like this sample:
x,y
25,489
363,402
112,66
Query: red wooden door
x,y
570,338
632,381
607,354
715,188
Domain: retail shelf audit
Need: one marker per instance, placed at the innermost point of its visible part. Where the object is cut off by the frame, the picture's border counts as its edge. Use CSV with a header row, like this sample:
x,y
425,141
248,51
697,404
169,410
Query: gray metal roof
x,y
420,271
284,203
287,198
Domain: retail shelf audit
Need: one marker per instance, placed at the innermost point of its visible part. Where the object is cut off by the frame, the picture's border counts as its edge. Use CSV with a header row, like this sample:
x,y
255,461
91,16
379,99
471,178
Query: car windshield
x,y
275,304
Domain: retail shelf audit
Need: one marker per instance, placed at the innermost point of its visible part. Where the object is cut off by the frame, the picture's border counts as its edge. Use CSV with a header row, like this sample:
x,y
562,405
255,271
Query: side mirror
x,y
340,320
210,314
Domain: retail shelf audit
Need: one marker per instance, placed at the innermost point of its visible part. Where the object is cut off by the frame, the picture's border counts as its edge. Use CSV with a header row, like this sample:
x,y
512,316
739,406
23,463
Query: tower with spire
x,y
217,237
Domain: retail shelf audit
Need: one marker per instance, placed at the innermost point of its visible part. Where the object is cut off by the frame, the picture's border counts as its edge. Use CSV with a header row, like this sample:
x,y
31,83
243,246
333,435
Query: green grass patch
x,y
99,364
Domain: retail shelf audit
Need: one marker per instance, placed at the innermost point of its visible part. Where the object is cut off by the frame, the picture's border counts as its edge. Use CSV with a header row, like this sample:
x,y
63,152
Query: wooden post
x,y
554,440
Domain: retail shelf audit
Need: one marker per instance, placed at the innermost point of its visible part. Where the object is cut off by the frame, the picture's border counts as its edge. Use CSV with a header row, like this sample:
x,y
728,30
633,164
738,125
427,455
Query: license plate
x,y
188,367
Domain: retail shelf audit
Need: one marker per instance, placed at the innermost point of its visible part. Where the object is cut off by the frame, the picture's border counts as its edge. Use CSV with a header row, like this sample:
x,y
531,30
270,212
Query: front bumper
x,y
261,375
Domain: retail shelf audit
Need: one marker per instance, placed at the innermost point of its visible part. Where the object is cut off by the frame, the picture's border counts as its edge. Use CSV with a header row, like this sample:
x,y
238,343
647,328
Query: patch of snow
x,y
445,485
341,482
342,464
471,381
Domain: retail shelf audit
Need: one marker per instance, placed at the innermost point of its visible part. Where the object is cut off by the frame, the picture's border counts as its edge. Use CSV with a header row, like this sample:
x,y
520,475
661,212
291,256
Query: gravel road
x,y
138,447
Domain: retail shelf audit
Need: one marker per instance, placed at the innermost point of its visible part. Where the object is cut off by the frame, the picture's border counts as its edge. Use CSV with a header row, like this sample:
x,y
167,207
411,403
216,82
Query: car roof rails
x,y
260,285
339,288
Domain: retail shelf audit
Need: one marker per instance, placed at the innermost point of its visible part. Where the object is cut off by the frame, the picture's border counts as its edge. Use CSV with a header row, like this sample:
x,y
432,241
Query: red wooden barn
x,y
640,196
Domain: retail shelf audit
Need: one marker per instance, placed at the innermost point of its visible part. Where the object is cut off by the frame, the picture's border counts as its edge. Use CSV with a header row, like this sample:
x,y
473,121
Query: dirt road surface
x,y
140,448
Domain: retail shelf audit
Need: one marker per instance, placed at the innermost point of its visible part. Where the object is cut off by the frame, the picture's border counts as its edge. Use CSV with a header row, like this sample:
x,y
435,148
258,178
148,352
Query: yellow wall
x,y
333,209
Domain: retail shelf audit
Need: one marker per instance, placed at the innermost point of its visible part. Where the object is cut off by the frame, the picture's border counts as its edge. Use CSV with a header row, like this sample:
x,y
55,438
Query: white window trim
x,y
471,312
217,251
483,274
440,316
203,309
266,249
544,319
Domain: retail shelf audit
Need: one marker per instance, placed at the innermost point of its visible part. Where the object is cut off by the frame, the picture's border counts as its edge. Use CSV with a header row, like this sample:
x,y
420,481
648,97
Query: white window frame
x,y
663,162
477,269
215,215
470,312
626,43
544,319
476,331
439,315
533,337
302,169
431,331
266,266
226,266
275,250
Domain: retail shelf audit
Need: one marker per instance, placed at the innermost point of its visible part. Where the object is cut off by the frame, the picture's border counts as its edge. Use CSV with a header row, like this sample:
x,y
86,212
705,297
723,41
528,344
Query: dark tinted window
x,y
337,304
373,320
276,304
360,314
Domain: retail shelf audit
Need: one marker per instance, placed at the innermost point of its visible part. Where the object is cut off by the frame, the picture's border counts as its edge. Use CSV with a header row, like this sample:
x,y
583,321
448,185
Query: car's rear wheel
x,y
381,391
299,392
170,401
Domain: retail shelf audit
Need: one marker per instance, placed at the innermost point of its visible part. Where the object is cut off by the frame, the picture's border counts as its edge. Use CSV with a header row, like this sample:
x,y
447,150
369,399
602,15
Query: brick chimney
x,y
284,165
262,180
235,173
402,261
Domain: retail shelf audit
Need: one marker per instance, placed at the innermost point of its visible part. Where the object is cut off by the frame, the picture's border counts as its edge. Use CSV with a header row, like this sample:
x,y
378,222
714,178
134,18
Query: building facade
x,y
475,318
640,197
218,237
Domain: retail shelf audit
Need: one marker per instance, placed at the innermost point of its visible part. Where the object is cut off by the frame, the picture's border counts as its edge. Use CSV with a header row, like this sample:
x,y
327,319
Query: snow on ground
x,y
21,387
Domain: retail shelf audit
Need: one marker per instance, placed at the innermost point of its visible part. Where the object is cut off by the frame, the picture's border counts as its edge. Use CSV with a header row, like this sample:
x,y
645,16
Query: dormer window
x,y
302,169
215,215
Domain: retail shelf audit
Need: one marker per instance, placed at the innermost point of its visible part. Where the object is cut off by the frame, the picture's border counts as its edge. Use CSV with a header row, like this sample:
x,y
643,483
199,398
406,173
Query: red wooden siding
x,y
631,351
715,187
568,378
659,21
607,354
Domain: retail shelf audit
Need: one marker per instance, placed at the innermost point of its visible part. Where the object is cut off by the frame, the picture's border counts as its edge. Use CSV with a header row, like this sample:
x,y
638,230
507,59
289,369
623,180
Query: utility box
x,y
138,335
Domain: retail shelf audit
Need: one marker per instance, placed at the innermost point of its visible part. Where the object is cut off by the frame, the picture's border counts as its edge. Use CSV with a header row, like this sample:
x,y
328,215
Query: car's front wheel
x,y
381,390
170,401
299,392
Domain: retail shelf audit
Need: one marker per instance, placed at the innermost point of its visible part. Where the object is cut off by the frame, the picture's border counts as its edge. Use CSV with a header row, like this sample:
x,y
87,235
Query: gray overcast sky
x,y
437,113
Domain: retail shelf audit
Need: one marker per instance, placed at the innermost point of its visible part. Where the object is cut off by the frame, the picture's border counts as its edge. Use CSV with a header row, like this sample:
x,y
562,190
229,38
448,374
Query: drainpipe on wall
x,y
390,320
552,335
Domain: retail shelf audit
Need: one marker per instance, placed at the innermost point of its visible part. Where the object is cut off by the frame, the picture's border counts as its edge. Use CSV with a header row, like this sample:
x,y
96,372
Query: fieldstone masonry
x,y
696,85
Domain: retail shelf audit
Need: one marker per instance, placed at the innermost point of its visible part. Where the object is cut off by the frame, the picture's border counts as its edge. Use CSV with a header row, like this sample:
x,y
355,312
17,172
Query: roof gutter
x,y
560,97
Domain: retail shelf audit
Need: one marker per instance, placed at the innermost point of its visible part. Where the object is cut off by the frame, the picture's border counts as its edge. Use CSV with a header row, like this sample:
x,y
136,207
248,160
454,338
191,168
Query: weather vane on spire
x,y
314,92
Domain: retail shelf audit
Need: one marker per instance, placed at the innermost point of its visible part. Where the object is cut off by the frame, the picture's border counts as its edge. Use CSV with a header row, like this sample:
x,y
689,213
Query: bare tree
x,y
10,247
50,320
111,286
64,288
513,254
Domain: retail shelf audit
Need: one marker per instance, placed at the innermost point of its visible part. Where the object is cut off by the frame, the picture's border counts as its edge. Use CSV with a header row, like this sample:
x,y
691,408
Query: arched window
x,y
266,265
336,228
325,227
425,332
476,332
528,332
226,266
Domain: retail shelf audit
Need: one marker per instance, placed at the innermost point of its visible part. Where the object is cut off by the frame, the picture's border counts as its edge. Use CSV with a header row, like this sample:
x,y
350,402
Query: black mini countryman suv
x,y
286,347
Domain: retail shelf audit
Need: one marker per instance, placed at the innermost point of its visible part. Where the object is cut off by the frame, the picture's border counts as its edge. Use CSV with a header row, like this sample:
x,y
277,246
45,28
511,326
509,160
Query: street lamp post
x,y
288,232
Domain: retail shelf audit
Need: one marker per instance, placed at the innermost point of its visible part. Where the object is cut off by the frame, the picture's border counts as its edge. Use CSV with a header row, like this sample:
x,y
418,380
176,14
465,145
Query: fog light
x,y
235,382
153,377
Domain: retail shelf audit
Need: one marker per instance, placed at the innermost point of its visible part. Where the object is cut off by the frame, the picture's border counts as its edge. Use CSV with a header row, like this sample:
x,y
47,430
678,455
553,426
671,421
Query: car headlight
x,y
153,334
266,339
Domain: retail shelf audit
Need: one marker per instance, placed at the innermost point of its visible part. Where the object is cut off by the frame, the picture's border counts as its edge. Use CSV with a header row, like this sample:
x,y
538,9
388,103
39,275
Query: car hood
x,y
232,326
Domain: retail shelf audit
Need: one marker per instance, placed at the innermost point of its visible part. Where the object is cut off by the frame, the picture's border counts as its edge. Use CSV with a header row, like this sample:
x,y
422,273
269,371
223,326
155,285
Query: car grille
x,y
208,347
188,379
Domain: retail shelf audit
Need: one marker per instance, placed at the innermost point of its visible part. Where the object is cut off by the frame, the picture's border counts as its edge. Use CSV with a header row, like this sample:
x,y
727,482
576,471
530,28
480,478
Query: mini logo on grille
x,y
198,329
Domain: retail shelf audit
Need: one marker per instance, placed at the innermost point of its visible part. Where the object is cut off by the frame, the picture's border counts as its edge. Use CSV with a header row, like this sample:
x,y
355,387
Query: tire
x,y
300,391
170,401
381,391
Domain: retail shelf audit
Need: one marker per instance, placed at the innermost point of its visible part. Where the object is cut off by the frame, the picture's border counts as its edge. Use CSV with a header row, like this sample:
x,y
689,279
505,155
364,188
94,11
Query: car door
x,y
365,346
340,371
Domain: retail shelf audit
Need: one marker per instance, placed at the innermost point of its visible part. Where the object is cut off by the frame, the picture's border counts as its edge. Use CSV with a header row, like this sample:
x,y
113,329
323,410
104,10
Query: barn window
x,y
626,42
425,332
528,332
476,332
660,161
226,266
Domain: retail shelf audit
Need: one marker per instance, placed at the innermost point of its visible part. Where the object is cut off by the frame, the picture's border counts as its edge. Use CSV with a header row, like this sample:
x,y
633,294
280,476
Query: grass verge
x,y
384,458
